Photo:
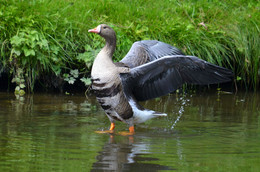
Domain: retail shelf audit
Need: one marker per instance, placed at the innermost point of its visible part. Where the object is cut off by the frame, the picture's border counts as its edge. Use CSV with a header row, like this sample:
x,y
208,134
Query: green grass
x,y
50,38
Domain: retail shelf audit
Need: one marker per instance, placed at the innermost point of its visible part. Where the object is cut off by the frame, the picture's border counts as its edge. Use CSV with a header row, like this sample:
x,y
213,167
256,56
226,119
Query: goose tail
x,y
157,114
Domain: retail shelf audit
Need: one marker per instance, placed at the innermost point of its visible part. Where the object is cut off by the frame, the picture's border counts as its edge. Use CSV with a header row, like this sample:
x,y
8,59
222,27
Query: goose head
x,y
105,31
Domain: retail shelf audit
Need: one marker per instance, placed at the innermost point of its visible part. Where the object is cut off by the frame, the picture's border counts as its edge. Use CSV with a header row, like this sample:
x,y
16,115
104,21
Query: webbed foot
x,y
130,133
110,131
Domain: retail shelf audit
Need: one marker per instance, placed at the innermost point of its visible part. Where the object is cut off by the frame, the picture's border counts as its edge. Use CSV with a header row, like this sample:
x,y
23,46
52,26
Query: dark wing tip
x,y
167,74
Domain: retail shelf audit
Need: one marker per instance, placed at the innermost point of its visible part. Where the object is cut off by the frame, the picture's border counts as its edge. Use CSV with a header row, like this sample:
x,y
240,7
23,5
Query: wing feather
x,y
146,51
168,73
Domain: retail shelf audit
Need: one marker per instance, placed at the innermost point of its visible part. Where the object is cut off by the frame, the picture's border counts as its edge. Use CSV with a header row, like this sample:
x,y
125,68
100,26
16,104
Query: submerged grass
x,y
50,38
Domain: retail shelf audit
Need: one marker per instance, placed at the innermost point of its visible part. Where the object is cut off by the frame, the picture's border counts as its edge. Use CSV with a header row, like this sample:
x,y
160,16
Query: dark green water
x,y
203,132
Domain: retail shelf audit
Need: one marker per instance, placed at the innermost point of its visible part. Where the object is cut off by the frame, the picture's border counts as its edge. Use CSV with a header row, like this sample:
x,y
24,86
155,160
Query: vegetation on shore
x,y
46,42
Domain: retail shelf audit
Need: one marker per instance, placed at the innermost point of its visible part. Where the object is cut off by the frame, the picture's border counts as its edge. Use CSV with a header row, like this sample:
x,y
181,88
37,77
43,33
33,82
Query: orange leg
x,y
112,126
130,133
111,129
132,129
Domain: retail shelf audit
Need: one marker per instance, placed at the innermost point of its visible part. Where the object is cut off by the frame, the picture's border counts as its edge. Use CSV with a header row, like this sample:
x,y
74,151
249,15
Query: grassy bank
x,y
46,42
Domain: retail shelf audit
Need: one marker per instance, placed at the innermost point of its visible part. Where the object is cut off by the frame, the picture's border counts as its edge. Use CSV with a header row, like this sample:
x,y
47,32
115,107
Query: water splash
x,y
184,101
178,117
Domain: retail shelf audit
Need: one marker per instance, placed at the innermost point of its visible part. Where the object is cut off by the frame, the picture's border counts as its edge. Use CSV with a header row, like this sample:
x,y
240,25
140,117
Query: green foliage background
x,y
44,40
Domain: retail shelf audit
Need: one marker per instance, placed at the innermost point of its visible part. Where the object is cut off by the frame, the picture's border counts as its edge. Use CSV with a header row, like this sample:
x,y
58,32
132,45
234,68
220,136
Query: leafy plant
x,y
71,78
32,52
20,83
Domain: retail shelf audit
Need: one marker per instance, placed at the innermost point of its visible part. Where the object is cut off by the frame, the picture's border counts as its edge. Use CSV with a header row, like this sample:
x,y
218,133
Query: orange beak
x,y
95,30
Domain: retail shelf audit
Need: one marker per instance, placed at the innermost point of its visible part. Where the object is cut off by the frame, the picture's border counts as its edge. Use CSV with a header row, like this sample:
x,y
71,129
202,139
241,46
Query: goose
x,y
150,69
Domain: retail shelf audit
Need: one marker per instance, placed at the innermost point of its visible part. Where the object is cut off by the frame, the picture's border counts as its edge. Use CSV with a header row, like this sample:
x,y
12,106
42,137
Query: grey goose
x,y
150,69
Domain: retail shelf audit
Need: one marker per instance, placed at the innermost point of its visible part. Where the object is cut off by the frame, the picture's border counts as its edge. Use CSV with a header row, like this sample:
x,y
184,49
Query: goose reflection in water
x,y
126,156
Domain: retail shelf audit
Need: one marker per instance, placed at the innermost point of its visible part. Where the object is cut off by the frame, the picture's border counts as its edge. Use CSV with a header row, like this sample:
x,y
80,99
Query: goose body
x,y
150,69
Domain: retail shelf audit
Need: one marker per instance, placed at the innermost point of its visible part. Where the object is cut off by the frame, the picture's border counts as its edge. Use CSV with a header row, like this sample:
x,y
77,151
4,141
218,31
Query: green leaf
x,y
66,76
21,92
86,81
17,88
71,80
74,73
16,92
88,47
189,27
16,40
238,78
15,80
17,51
43,43
28,52
54,49
24,61
22,86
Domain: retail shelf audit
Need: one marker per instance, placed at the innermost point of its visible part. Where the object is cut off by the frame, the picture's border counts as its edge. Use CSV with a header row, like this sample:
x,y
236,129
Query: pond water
x,y
203,132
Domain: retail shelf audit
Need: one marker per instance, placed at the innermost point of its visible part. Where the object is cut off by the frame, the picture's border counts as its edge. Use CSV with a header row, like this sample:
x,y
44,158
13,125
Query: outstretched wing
x,y
146,51
168,73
